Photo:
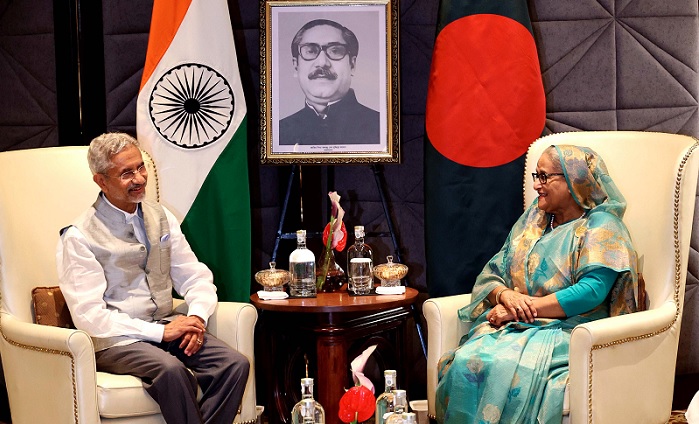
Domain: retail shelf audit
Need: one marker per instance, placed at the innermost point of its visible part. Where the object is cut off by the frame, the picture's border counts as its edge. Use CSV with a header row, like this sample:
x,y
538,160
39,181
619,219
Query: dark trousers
x,y
171,378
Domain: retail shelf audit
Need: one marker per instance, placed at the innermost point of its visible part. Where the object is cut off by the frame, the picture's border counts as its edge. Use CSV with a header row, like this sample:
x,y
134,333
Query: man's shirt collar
x,y
323,114
127,215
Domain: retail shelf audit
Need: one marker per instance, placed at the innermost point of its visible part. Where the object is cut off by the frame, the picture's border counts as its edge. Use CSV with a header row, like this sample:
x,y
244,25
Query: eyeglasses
x,y
543,177
130,175
334,51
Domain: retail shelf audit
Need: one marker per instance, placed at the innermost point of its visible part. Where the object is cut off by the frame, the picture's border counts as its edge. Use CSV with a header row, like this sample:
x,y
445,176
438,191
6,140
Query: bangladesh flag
x,y
192,118
485,106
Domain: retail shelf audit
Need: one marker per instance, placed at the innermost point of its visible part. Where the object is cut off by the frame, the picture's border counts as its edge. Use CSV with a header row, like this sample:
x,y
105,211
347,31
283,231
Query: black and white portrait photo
x,y
328,74
324,56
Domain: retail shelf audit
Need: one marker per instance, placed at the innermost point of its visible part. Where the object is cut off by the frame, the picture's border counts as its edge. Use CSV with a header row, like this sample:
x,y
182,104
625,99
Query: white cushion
x,y
123,396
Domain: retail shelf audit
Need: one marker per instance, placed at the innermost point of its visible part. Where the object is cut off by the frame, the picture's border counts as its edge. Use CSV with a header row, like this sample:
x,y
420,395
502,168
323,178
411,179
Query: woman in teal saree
x,y
567,260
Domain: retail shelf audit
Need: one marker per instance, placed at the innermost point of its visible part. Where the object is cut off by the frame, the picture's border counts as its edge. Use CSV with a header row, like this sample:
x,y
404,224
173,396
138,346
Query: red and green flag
x,y
192,118
485,106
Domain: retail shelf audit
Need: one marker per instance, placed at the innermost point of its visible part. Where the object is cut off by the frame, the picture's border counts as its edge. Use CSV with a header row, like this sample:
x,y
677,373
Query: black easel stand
x,y
378,178
282,216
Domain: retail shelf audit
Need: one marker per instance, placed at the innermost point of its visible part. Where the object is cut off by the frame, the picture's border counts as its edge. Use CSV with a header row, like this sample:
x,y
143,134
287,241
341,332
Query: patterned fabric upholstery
x,y
50,307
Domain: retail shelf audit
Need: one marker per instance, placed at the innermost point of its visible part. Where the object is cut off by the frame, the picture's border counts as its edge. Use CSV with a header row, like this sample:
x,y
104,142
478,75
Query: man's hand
x,y
191,329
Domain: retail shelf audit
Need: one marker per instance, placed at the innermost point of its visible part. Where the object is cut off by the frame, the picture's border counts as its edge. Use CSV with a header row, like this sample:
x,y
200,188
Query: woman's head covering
x,y
588,180
593,189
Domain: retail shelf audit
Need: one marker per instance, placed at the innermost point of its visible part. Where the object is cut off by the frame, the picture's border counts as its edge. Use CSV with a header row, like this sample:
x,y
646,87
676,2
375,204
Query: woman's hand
x,y
519,305
499,316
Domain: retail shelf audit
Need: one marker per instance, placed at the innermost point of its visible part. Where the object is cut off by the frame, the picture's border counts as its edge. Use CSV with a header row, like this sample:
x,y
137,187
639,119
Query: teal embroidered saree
x,y
517,373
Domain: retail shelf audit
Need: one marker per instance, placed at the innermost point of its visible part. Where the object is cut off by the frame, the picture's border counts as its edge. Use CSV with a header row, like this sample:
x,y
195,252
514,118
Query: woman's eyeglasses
x,y
543,177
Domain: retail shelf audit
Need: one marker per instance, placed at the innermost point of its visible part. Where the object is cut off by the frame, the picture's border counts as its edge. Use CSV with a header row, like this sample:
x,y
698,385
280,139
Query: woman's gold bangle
x,y
497,295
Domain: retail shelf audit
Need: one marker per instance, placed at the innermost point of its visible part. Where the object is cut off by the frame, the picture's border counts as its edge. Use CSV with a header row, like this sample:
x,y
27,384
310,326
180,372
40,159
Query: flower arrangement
x,y
338,240
358,403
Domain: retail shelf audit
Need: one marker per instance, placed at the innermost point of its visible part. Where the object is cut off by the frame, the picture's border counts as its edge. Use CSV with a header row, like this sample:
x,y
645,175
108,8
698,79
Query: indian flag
x,y
191,117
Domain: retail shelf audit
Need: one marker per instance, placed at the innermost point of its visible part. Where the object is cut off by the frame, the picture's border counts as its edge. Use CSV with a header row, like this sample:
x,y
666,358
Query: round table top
x,y
340,301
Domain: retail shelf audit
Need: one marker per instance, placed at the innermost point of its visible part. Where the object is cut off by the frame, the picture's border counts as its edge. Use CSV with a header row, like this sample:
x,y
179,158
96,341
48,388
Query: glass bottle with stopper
x,y
307,410
385,402
302,263
409,418
401,406
360,260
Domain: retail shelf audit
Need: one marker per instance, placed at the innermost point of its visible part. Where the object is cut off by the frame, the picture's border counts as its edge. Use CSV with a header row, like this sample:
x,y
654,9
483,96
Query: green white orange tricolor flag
x,y
192,118
485,106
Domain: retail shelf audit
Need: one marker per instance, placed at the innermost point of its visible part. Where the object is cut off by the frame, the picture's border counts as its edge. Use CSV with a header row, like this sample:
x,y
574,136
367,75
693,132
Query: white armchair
x,y
50,371
621,369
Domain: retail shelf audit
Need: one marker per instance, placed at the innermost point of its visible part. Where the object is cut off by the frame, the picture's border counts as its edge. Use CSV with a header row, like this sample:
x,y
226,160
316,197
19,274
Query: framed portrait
x,y
329,81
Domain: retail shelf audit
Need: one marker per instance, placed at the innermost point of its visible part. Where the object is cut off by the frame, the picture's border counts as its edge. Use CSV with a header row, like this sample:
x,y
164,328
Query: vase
x,y
335,276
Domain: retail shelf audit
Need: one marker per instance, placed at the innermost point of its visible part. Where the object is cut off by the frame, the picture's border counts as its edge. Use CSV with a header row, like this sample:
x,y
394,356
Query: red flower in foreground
x,y
357,405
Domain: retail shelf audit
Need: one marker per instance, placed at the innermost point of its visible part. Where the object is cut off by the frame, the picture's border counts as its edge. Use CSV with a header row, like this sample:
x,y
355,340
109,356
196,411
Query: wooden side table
x,y
326,328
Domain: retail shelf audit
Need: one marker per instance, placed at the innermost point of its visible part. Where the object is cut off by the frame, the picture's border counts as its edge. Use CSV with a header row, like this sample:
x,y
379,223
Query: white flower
x,y
337,214
357,368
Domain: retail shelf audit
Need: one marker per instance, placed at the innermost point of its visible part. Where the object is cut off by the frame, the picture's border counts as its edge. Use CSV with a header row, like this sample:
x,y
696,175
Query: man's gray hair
x,y
104,147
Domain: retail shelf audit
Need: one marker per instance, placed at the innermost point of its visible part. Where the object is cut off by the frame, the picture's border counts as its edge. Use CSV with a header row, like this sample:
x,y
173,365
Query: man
x,y
117,265
324,59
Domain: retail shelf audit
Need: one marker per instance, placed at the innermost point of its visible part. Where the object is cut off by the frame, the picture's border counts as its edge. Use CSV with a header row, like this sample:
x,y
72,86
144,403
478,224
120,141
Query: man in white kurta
x,y
118,264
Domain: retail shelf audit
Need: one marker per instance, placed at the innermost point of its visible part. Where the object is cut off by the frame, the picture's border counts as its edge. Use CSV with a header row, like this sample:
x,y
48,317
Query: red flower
x,y
357,405
340,244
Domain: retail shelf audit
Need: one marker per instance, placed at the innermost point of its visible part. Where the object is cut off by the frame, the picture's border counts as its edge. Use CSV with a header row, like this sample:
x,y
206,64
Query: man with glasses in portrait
x,y
324,56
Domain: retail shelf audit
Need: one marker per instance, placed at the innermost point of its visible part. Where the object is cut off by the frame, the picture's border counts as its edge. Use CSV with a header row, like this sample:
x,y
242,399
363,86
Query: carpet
x,y
677,417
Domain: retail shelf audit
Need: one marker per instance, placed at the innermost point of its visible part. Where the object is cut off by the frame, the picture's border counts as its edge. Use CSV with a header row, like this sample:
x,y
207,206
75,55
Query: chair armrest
x,y
234,324
444,331
50,365
612,358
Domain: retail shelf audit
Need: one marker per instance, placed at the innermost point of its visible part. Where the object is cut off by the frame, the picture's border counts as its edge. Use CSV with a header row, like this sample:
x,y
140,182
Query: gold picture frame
x,y
329,82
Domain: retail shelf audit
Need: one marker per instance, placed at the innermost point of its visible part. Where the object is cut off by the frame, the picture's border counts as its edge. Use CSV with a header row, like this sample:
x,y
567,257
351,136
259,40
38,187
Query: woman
x,y
567,260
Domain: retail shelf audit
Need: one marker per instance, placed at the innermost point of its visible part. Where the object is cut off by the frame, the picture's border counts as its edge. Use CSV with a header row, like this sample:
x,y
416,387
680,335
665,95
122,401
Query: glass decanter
x,y
385,403
307,410
335,276
360,261
400,400
302,264
409,418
